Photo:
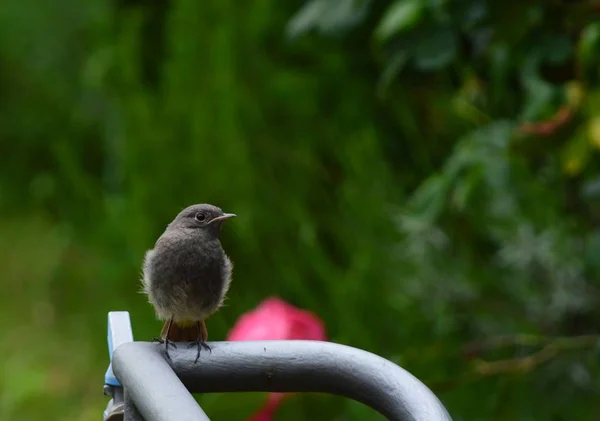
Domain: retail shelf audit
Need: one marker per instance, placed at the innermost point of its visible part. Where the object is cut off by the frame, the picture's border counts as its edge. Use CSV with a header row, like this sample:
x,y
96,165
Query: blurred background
x,y
421,174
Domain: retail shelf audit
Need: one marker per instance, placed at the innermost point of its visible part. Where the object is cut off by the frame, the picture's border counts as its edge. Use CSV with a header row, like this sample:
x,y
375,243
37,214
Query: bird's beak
x,y
223,217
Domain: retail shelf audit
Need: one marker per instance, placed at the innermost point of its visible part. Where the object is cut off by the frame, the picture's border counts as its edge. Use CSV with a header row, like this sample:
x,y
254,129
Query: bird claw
x,y
162,341
167,343
200,344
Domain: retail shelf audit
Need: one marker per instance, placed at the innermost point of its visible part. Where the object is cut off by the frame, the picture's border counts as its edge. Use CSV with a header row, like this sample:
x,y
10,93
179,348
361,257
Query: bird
x,y
187,274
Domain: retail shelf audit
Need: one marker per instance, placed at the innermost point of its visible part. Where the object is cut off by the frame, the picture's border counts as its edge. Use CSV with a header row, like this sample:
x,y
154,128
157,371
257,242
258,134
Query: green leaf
x,y
588,48
327,16
557,48
436,48
430,198
464,190
392,69
540,94
576,154
306,18
400,16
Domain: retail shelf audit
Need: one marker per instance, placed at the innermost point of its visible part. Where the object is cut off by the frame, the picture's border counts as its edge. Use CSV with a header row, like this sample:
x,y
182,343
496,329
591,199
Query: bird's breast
x,y
190,262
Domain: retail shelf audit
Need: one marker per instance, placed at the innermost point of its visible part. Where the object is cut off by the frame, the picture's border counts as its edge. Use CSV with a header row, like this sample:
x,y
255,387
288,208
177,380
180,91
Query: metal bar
x,y
152,385
273,366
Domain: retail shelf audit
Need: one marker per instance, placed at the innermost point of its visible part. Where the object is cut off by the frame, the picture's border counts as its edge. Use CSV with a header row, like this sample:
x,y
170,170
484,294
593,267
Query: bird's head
x,y
204,217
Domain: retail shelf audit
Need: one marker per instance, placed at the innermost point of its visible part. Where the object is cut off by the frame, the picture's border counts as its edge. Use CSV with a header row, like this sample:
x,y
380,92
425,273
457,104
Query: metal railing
x,y
144,385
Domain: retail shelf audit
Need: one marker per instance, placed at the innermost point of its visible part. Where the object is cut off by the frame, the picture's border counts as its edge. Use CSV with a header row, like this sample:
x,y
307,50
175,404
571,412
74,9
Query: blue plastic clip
x,y
119,332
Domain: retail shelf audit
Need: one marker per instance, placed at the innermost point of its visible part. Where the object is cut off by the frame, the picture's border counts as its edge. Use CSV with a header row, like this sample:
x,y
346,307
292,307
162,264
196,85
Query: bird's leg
x,y
201,342
204,336
196,343
165,340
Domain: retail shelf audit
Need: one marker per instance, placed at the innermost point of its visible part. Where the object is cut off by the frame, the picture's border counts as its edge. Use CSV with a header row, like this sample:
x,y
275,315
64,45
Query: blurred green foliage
x,y
423,174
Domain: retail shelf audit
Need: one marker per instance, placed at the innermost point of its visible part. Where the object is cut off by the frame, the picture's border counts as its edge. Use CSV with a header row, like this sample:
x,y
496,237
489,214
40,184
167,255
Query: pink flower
x,y
274,319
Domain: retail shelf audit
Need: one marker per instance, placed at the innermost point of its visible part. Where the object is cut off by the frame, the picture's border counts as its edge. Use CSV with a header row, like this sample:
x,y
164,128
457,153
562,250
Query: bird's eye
x,y
200,217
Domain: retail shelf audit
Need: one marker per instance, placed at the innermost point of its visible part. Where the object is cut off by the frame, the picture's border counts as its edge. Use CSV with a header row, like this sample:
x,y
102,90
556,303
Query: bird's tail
x,y
184,332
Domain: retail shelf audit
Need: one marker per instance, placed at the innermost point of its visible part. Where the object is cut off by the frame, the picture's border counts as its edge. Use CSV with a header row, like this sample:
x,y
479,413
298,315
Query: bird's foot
x,y
162,341
199,344
167,343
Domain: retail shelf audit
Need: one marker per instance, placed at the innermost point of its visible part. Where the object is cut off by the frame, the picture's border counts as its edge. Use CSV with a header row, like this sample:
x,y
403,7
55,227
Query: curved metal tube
x,y
151,386
271,366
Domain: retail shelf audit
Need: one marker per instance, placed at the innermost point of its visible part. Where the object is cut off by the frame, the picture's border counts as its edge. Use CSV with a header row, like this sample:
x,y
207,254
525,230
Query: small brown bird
x,y
187,275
